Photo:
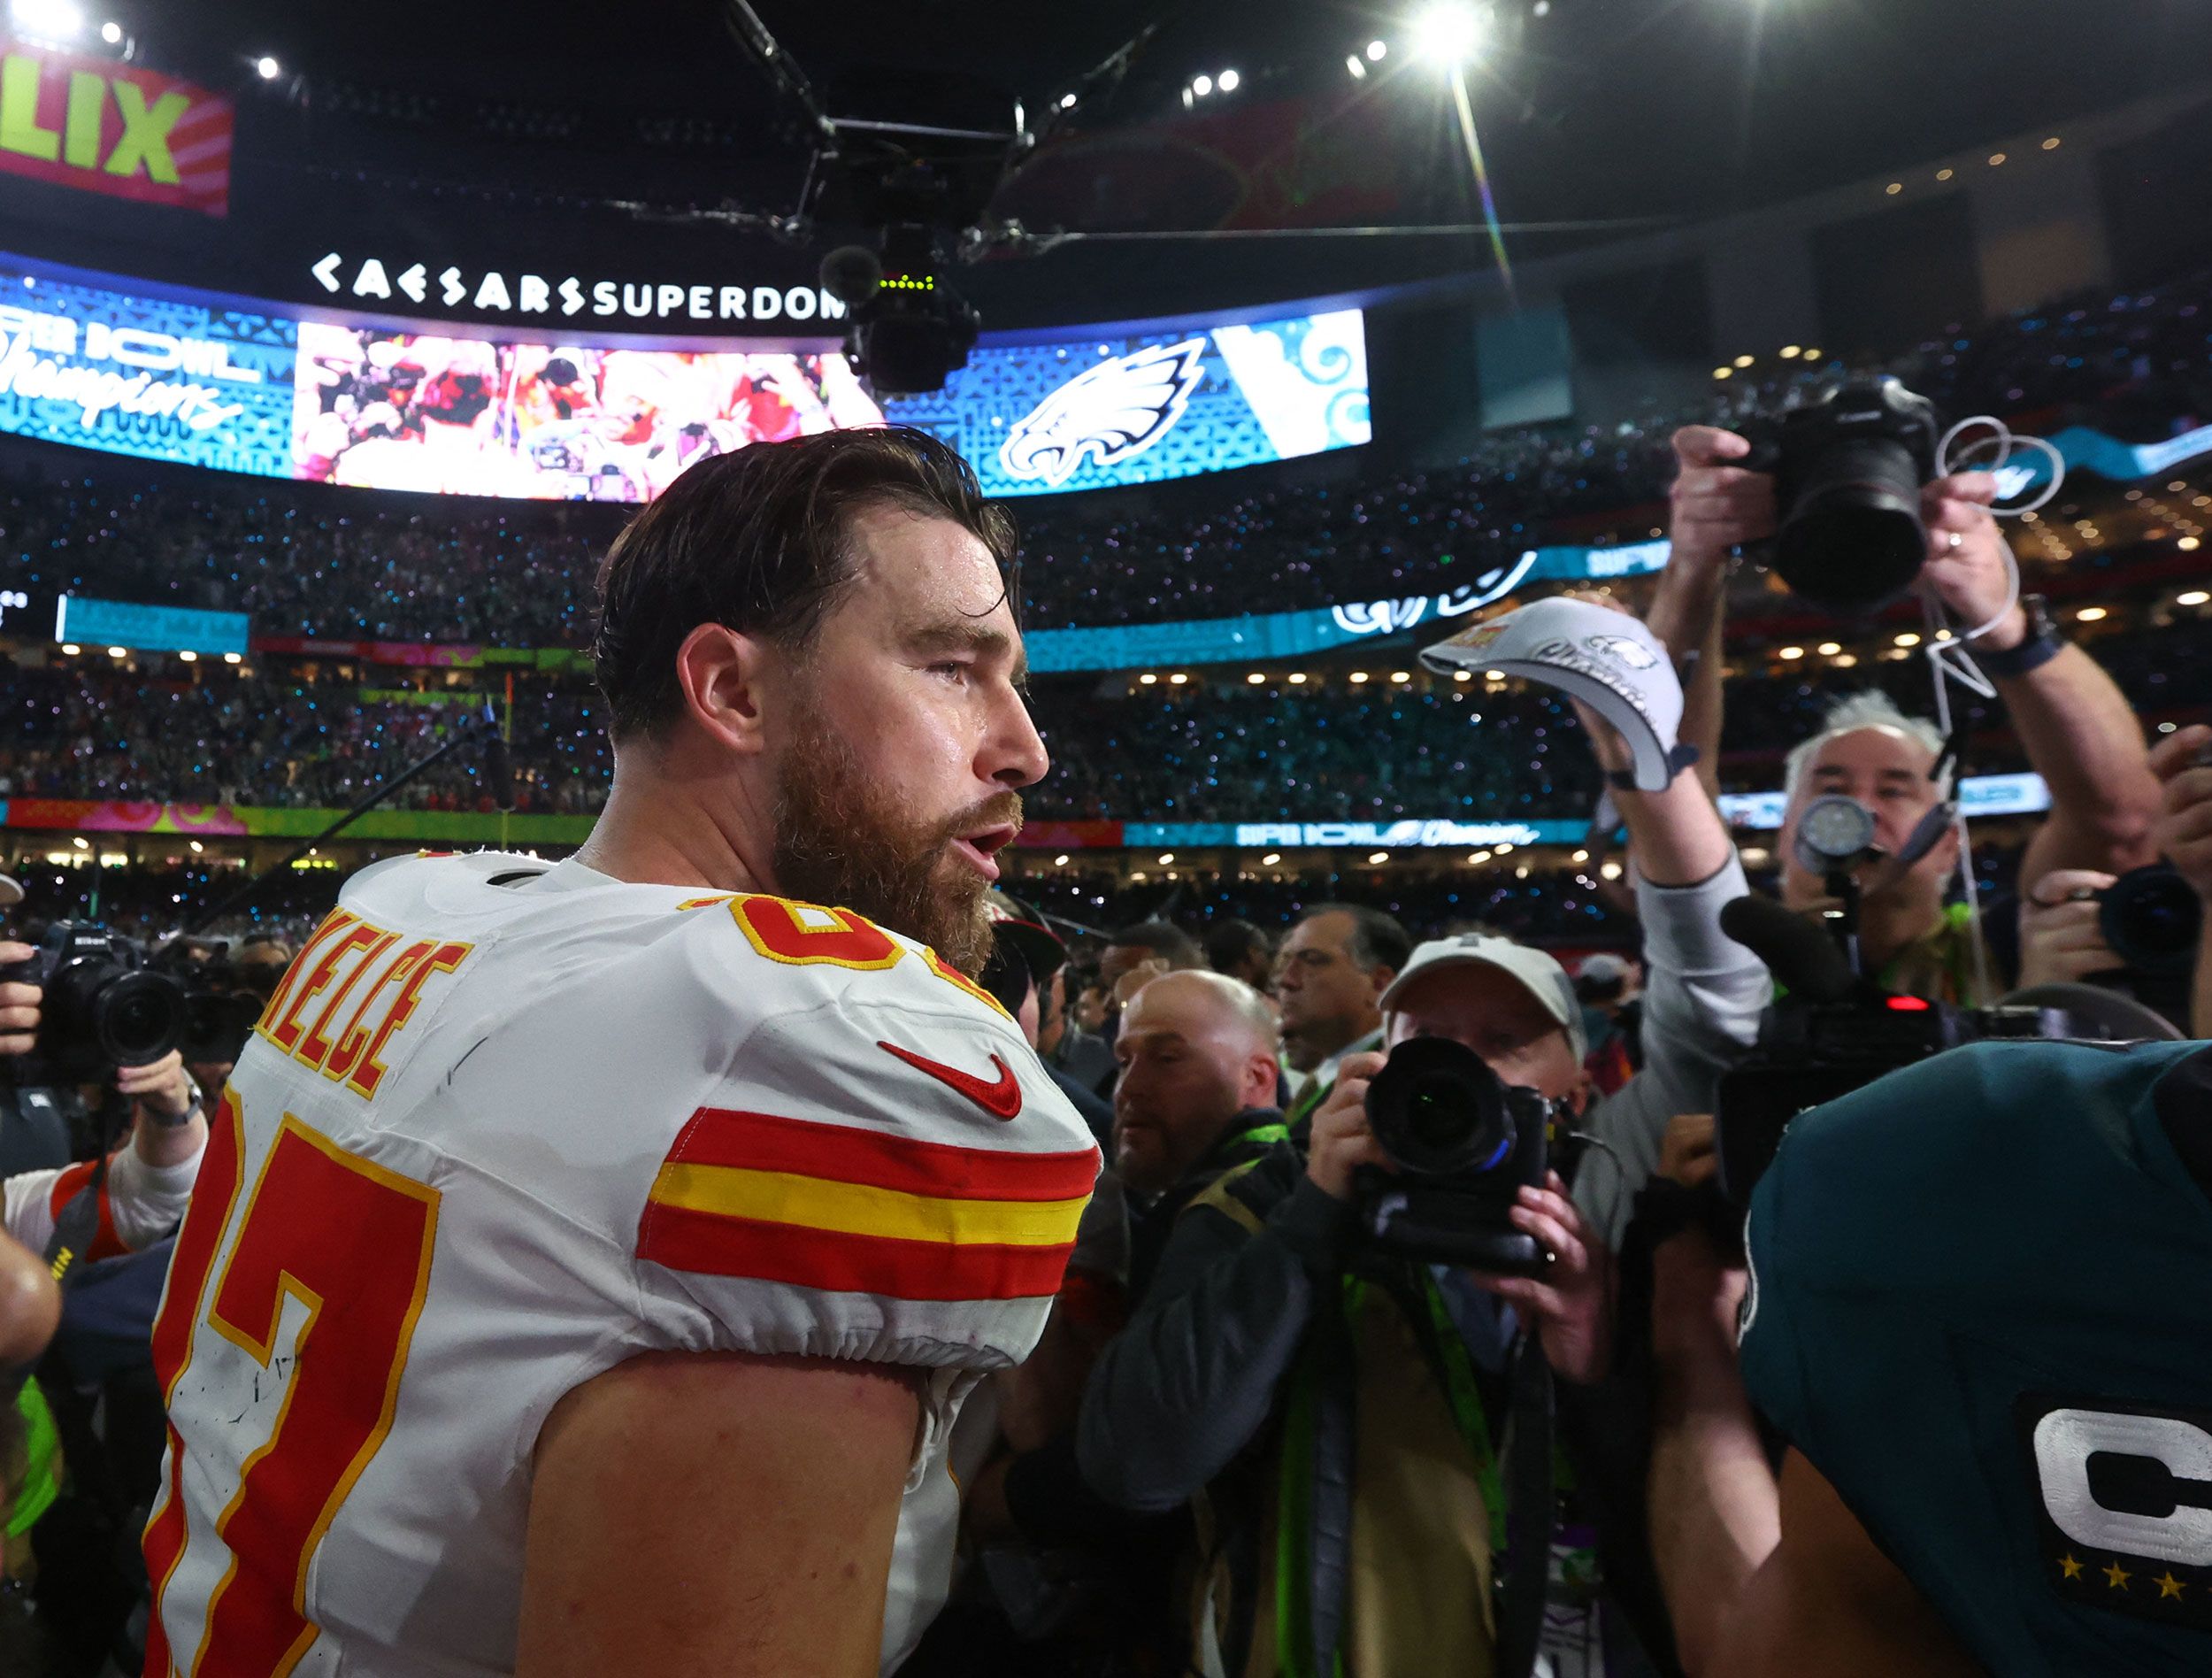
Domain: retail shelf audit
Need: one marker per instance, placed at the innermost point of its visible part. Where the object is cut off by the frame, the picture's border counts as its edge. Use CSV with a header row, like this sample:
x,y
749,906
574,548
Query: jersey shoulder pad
x,y
883,1170
799,955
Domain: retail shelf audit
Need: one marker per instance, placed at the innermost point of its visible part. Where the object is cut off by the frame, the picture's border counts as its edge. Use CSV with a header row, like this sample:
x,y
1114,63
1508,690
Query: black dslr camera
x,y
1810,1053
102,1006
1832,1032
223,1001
1465,1145
108,1004
1847,471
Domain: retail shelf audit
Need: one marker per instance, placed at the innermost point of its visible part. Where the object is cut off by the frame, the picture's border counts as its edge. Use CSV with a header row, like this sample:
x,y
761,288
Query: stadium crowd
x,y
1210,751
352,565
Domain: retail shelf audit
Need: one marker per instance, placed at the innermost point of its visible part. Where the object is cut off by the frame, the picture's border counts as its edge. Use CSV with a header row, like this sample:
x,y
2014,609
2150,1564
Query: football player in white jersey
x,y
589,1262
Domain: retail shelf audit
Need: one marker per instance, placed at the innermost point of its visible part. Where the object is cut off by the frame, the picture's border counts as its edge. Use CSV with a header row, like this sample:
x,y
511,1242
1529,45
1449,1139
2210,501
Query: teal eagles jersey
x,y
1981,1305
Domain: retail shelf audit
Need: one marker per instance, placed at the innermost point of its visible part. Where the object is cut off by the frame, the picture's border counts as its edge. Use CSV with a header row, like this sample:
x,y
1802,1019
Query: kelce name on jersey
x,y
354,961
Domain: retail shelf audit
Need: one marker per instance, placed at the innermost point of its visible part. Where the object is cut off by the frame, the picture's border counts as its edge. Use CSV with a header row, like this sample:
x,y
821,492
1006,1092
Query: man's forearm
x,y
2081,738
1687,614
1715,1508
1677,835
161,1145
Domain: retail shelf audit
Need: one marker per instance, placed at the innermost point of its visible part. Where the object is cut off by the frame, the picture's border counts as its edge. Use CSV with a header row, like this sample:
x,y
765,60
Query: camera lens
x,y
1436,1108
1853,537
138,1017
2153,920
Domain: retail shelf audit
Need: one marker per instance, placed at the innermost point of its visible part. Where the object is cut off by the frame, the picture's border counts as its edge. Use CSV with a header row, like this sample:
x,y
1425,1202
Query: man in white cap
x,y
1224,1381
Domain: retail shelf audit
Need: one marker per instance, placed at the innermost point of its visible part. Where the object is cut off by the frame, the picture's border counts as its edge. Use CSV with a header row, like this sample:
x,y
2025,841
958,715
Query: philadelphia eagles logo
x,y
1111,413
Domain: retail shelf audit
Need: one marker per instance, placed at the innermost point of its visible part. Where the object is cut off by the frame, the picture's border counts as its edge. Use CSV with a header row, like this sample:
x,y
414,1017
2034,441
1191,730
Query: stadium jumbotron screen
x,y
133,367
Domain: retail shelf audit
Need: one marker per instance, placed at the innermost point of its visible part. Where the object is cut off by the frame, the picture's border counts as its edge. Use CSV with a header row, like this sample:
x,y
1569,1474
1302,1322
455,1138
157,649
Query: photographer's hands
x,y
2060,941
18,1005
1716,504
1340,1139
167,1128
1571,1303
2185,824
160,1087
1967,558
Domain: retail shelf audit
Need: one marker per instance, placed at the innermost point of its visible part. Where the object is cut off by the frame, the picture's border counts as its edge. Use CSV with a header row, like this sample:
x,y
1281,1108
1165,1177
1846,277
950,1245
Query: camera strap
x,y
76,1227
1530,1511
1520,1501
1313,1511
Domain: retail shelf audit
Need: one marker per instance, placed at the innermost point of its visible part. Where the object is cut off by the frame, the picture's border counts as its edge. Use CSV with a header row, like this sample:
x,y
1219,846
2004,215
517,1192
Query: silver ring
x,y
1957,541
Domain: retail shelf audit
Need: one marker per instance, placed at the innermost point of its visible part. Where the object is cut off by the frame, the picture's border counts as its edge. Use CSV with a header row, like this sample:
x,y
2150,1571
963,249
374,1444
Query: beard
x,y
843,842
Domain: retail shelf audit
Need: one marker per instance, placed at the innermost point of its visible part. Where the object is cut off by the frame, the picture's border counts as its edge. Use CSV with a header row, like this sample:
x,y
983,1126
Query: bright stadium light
x,y
1227,82
1376,50
267,68
1449,31
1067,101
1202,85
111,32
47,20
1356,65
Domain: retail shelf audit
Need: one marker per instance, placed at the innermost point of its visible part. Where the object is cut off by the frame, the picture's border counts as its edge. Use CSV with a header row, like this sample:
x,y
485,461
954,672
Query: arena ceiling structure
x,y
1226,121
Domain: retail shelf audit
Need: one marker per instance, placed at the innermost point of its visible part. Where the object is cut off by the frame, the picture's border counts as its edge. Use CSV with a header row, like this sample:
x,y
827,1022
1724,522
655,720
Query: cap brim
x,y
1555,1005
1610,662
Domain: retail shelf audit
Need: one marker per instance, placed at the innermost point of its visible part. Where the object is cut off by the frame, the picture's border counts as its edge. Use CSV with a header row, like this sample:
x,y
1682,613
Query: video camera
x,y
1464,1144
1831,1033
1849,470
108,1004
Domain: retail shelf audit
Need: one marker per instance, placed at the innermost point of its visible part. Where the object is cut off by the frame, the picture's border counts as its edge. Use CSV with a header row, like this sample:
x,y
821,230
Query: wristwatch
x,y
2043,643
192,1108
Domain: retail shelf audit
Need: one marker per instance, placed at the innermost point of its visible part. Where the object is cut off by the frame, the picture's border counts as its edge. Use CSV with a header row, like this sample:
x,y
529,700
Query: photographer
x,y
2077,730
140,1188
1281,1363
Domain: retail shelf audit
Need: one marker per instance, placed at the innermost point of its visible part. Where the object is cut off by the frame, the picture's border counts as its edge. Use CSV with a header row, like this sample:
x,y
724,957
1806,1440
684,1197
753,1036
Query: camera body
x,y
103,1006
1849,470
223,1001
1465,1145
1811,1053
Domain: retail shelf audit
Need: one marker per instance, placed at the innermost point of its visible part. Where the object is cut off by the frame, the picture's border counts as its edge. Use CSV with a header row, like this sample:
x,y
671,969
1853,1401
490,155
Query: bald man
x,y
1195,1099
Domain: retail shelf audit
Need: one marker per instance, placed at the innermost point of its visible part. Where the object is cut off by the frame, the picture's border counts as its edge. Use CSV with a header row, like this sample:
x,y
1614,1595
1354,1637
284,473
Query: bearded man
x,y
650,1215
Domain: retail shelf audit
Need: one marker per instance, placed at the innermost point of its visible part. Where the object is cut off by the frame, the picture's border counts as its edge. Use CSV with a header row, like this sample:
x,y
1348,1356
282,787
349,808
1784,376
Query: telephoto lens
x,y
1848,472
1438,1110
1464,1146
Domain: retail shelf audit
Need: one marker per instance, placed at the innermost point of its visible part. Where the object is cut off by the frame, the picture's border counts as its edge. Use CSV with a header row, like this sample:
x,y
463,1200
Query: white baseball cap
x,y
1605,659
10,892
1542,977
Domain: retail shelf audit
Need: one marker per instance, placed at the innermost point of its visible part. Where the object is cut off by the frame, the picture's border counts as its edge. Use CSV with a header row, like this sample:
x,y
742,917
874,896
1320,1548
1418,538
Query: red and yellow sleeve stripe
x,y
852,1211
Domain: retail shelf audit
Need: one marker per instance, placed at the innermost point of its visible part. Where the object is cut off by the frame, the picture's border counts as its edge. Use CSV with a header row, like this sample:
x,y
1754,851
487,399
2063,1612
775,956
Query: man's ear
x,y
1264,1076
721,674
1380,978
1583,1094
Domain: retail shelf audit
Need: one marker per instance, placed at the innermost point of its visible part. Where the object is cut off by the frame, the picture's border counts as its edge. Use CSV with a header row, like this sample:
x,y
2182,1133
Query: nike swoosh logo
x,y
1001,1099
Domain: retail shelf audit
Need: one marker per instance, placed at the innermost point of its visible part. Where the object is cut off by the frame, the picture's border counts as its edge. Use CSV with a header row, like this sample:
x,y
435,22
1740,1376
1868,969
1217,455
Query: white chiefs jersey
x,y
503,1127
